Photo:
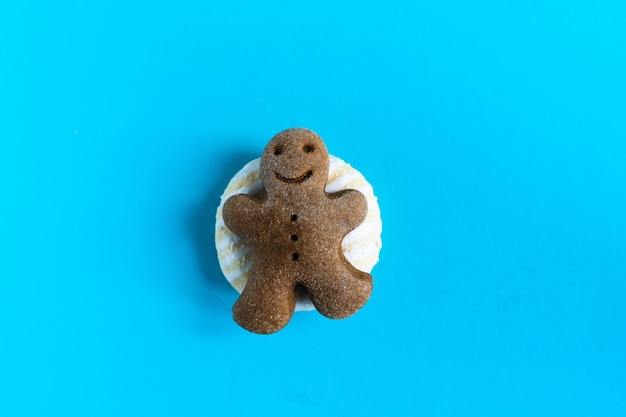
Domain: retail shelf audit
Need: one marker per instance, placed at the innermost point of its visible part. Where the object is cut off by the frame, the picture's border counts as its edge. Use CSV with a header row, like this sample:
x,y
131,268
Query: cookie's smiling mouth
x,y
297,180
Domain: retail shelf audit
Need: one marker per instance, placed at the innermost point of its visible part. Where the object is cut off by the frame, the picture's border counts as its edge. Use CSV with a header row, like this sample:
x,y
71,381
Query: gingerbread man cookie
x,y
295,231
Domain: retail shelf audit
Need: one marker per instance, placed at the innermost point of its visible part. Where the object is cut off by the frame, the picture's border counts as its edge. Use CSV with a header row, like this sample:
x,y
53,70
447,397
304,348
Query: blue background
x,y
494,134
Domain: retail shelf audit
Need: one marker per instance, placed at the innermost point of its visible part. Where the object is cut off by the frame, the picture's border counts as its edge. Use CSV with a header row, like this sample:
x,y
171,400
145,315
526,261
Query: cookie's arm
x,y
350,206
241,215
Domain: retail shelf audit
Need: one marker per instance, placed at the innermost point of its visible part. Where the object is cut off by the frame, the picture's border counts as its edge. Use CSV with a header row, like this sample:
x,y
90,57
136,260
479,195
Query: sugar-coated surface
x,y
361,246
294,231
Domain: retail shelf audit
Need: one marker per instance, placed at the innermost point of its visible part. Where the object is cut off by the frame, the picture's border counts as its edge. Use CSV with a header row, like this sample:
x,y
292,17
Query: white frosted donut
x,y
360,247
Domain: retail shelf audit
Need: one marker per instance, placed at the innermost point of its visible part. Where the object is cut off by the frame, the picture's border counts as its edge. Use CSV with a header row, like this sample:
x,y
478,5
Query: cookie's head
x,y
295,158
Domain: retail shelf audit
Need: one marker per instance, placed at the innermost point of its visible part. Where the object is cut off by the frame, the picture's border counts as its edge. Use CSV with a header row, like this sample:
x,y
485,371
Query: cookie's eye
x,y
278,150
308,148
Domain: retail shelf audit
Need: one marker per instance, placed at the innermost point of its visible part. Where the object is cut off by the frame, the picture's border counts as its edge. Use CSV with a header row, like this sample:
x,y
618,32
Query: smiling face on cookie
x,y
295,158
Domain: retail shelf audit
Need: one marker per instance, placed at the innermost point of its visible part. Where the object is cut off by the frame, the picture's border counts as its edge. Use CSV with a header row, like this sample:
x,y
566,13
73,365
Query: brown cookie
x,y
295,231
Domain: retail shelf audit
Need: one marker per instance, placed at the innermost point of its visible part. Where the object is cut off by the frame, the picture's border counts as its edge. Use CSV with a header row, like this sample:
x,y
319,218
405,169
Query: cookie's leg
x,y
341,294
265,306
